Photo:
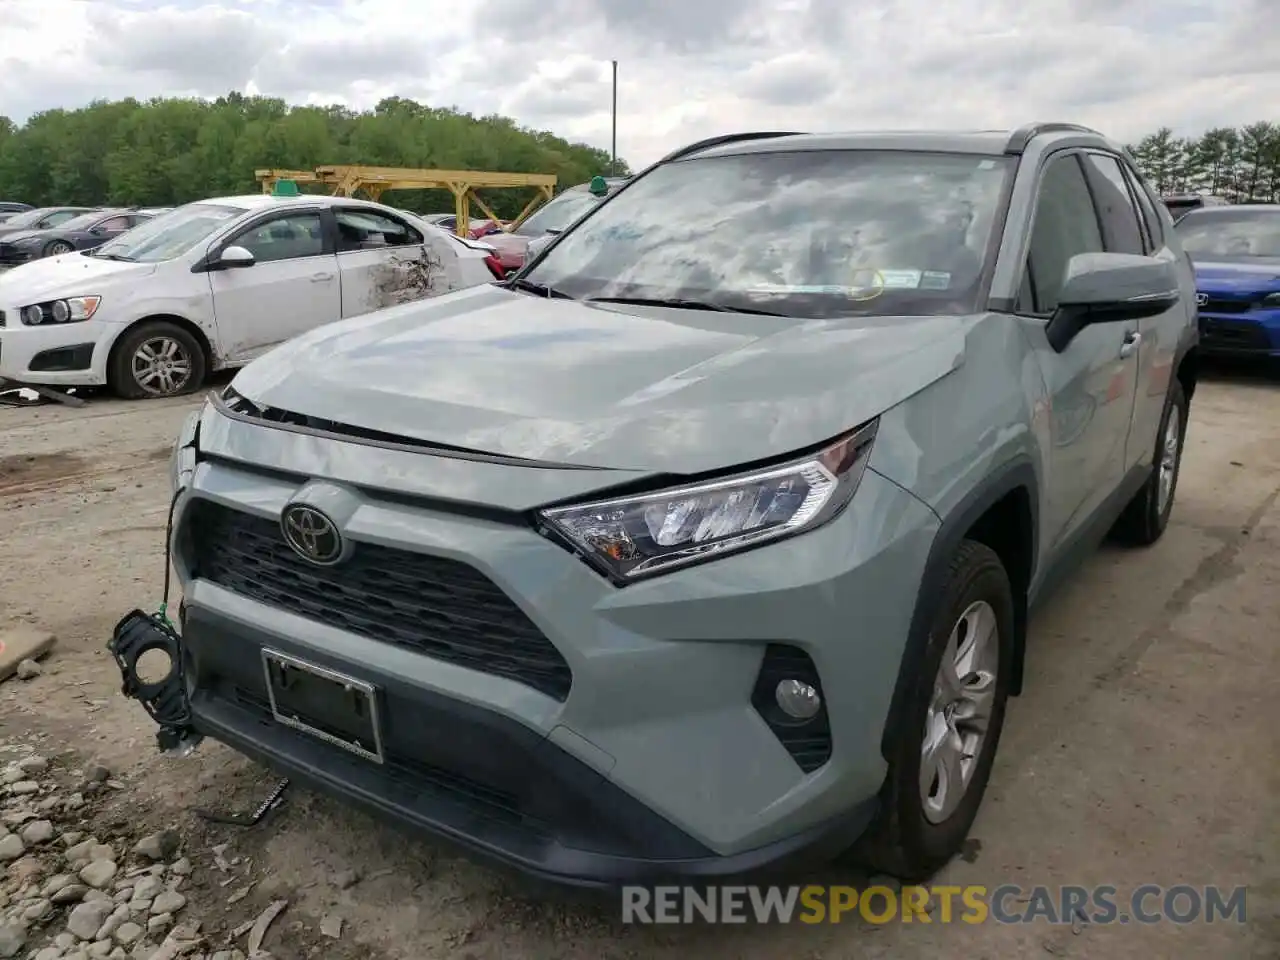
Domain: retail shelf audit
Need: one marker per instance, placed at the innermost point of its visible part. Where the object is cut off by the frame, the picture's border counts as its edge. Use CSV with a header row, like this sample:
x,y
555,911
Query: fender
x,y
1016,473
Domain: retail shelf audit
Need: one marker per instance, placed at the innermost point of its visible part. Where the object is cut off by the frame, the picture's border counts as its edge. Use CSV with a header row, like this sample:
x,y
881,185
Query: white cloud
x,y
687,69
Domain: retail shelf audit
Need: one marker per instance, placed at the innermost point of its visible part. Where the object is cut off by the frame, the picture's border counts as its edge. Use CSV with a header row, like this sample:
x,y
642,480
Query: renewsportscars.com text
x,y
1008,904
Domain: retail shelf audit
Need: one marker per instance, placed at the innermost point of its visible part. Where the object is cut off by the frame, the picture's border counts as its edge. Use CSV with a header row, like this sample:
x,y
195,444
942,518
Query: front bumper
x,y
1245,334
70,354
655,762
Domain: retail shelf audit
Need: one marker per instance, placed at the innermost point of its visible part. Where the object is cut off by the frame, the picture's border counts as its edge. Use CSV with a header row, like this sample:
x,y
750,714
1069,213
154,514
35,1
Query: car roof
x,y
260,201
978,142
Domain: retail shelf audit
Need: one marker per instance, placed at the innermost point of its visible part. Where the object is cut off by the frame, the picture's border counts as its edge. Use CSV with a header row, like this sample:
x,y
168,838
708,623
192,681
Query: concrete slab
x,y
20,641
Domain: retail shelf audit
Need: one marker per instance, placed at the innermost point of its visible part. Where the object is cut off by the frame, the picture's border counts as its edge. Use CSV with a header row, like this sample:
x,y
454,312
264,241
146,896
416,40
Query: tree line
x,y
1241,165
168,151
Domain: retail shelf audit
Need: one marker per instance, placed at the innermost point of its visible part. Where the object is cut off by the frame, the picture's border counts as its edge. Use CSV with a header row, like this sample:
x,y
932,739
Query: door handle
x,y
1131,341
321,277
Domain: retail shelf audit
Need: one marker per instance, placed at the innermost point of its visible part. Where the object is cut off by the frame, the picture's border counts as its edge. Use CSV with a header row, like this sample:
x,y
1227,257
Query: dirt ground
x,y
1146,748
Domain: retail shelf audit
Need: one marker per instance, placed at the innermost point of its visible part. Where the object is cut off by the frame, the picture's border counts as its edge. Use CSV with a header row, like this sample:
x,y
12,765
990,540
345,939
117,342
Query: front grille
x,y
1233,335
443,608
1226,306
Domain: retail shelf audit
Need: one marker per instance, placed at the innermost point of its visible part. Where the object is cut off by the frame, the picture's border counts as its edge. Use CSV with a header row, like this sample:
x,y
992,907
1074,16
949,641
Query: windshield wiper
x,y
113,256
541,289
682,303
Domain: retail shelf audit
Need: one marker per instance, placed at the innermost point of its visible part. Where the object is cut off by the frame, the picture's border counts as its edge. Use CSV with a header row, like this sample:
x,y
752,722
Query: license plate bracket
x,y
325,704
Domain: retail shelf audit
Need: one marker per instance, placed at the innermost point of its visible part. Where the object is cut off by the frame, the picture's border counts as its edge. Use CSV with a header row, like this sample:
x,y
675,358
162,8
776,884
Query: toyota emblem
x,y
311,534
1201,299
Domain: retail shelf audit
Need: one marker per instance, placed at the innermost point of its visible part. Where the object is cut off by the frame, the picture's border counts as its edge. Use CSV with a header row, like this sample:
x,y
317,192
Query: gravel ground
x,y
1146,749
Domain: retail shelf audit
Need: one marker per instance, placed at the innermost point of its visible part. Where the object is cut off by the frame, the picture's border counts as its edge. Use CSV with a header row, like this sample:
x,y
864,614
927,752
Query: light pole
x,y
613,157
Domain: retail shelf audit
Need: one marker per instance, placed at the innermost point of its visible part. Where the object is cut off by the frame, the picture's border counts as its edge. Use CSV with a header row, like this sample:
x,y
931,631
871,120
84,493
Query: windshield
x,y
170,234
557,214
1232,233
27,218
804,234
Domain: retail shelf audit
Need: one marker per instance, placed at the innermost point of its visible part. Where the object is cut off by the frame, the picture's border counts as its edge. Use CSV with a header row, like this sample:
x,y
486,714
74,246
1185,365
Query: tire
x,y
1147,515
915,835
56,248
162,340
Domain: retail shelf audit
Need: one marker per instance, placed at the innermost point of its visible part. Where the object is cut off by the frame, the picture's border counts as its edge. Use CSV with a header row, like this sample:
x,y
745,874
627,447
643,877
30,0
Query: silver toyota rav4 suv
x,y
705,544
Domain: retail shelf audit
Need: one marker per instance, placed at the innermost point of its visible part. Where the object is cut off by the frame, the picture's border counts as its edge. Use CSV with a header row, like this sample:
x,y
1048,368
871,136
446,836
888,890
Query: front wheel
x,y
156,359
950,726
56,247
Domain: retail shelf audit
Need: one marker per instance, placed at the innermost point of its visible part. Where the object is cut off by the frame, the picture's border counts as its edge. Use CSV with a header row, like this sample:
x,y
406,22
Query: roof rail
x,y
727,138
1019,139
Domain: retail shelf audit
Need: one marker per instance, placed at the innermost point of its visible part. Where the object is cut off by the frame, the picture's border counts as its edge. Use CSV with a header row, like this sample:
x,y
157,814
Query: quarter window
x,y
1115,205
371,230
288,237
1066,224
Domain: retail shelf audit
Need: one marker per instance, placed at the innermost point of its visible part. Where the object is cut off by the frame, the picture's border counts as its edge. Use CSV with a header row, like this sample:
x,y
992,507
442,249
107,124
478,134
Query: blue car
x,y
1236,253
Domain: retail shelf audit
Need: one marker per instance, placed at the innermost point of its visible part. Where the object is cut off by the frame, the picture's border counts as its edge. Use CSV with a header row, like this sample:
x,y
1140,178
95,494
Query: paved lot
x,y
1146,748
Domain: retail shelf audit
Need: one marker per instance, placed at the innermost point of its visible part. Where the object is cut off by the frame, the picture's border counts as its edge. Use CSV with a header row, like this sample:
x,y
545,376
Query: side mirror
x,y
97,231
233,257
1110,288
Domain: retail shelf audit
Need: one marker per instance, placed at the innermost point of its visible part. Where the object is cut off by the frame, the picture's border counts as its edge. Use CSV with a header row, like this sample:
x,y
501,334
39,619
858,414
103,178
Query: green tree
x,y
172,150
1241,165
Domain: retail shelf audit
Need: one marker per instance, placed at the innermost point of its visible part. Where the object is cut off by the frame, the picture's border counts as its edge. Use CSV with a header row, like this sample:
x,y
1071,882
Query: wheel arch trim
x,y
960,520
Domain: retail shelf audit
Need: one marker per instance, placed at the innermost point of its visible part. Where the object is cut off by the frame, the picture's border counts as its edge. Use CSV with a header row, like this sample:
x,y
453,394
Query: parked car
x,y
709,541
40,218
1182,203
11,207
84,232
477,227
1236,252
216,283
547,221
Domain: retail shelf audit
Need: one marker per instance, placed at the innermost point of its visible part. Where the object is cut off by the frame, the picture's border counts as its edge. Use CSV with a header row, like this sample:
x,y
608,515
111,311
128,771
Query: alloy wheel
x,y
161,366
1170,444
959,713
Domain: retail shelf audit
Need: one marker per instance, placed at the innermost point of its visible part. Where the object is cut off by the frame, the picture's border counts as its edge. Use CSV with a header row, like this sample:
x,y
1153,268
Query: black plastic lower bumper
x,y
465,774
1227,337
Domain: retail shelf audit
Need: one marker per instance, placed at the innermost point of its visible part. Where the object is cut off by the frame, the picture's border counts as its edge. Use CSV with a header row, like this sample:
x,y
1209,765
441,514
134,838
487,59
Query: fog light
x,y
797,699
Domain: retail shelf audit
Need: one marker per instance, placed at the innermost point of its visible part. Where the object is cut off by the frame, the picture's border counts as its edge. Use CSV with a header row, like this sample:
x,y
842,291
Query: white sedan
x,y
214,284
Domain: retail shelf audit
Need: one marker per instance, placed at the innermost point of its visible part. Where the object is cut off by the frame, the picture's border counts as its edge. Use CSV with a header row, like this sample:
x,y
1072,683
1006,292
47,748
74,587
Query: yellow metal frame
x,y
346,180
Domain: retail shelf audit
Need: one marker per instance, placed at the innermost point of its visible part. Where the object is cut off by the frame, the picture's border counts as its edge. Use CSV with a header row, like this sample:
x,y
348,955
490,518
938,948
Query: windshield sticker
x,y
935,280
900,279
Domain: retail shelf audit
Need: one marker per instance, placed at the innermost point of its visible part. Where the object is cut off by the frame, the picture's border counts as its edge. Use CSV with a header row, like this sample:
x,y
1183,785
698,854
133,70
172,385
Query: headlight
x,y
69,310
634,537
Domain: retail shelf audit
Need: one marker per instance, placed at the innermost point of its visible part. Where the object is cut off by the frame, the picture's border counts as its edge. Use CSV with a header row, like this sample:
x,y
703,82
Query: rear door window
x,y
372,230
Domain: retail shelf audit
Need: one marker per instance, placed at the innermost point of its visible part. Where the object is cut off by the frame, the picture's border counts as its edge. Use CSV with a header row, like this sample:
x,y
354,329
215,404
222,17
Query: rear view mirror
x,y
1111,287
235,257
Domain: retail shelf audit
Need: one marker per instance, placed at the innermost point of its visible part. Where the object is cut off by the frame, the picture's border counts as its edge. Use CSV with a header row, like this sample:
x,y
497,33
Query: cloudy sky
x,y
688,68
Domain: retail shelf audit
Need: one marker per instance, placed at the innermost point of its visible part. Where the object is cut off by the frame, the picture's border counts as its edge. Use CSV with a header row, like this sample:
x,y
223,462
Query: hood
x,y
1238,275
68,275
637,388
25,233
